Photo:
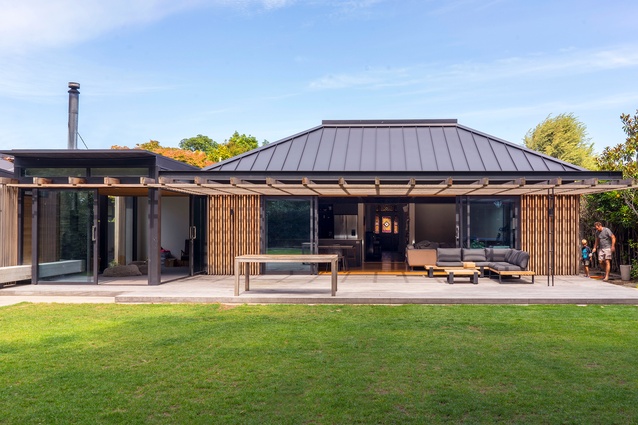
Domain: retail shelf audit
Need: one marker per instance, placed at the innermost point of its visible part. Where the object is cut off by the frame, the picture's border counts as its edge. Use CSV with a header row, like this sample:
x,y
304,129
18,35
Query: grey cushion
x,y
512,256
498,254
448,255
523,260
449,263
474,254
502,266
422,244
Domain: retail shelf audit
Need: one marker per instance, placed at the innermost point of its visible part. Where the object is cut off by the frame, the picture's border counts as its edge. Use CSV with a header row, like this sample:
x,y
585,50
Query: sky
x,y
168,70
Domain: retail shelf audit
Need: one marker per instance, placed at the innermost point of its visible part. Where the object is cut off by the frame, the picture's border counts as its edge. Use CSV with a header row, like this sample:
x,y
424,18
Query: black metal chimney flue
x,y
74,101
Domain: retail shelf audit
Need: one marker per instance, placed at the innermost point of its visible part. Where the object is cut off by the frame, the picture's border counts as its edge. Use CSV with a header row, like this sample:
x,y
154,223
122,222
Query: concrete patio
x,y
353,289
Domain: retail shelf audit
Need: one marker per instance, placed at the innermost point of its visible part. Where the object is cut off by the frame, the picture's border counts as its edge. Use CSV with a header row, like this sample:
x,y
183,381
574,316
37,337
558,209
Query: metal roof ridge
x,y
389,123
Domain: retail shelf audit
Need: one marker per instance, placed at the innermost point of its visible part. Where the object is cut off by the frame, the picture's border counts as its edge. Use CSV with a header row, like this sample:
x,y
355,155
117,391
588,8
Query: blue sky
x,y
167,70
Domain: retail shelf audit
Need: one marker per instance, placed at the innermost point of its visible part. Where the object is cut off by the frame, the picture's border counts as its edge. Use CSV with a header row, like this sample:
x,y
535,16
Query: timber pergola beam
x,y
344,186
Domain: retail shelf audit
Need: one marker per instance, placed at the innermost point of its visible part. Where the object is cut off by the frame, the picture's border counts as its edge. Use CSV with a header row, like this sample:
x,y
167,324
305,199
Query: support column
x,y
154,237
550,236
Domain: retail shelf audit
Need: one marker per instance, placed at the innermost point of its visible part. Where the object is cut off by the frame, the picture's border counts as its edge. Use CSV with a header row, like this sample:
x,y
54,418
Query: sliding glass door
x,y
487,222
290,227
66,238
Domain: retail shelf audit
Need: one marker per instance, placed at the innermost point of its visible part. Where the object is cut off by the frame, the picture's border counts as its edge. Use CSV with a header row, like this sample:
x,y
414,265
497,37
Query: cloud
x,y
428,76
29,24
370,78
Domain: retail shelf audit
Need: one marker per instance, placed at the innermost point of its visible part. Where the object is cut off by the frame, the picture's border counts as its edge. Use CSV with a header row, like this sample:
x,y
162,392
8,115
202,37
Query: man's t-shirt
x,y
604,238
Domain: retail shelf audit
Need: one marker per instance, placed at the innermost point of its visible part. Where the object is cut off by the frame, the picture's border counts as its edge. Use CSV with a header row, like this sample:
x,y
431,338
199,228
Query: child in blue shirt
x,y
586,256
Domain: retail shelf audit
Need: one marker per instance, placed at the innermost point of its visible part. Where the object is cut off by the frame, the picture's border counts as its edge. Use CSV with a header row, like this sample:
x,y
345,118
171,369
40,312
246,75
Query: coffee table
x,y
471,273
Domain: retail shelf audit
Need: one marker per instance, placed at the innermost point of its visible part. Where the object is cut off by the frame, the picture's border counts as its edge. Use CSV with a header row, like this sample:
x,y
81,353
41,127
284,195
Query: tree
x,y
623,157
564,138
236,145
619,208
201,150
196,158
199,143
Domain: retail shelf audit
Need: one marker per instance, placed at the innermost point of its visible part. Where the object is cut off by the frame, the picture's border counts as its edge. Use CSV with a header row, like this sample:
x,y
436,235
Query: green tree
x,y
564,137
199,143
236,145
619,209
623,157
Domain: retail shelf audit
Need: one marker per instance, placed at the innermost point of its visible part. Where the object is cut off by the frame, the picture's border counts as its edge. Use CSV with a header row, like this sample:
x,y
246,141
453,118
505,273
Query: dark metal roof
x,y
97,155
396,146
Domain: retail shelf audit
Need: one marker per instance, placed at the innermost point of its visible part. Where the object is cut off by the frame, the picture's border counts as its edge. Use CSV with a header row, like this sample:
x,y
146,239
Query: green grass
x,y
167,364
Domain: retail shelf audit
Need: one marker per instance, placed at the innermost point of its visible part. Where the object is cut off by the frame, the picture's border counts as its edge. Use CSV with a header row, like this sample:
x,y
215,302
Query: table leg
x,y
237,272
247,279
475,278
333,269
450,278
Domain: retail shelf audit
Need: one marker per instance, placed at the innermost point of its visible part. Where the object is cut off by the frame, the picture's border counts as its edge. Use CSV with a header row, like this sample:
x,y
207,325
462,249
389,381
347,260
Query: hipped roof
x,y
394,158
415,146
403,158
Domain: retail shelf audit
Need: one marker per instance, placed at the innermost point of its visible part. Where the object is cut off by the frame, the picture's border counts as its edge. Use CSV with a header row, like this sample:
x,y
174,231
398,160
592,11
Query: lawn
x,y
212,364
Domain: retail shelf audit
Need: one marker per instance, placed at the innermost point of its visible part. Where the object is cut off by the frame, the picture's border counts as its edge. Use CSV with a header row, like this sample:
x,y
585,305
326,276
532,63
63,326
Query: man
x,y
607,242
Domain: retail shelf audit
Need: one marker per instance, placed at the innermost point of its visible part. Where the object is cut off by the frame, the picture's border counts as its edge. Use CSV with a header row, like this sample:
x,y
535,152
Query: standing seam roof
x,y
417,146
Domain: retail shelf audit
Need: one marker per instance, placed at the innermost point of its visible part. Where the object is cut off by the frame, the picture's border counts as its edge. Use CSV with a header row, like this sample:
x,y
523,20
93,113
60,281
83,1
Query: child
x,y
586,254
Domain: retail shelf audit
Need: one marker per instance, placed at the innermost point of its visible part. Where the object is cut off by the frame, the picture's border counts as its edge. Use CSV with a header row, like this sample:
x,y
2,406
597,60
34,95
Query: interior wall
x,y
175,210
435,223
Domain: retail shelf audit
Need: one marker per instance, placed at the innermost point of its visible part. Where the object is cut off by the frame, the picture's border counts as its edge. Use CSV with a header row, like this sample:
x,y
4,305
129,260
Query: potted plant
x,y
625,268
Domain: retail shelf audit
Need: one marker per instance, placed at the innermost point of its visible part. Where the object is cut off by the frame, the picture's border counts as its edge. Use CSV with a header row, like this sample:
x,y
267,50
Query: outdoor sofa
x,y
501,261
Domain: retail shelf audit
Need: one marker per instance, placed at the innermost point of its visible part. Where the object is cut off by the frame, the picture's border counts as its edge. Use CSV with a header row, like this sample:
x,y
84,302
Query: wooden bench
x,y
519,273
473,274
11,274
269,258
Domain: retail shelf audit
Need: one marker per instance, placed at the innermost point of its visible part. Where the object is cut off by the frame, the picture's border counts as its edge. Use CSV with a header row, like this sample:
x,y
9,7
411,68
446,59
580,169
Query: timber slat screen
x,y
8,226
234,230
535,235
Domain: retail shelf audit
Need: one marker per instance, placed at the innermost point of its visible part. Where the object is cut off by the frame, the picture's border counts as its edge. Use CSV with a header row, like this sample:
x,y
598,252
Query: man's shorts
x,y
604,254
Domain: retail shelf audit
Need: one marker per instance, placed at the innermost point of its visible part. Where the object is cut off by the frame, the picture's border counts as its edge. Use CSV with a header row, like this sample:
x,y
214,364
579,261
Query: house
x,y
371,187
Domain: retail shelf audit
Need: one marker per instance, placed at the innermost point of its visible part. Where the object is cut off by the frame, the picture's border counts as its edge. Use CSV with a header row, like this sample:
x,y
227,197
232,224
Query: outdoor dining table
x,y
244,260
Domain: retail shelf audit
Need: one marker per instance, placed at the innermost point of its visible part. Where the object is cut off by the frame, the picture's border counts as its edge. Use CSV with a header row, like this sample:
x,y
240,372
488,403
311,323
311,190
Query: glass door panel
x,y
198,234
492,222
67,236
289,229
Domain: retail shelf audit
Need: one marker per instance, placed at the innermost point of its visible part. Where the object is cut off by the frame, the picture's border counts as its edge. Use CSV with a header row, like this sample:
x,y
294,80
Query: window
x,y
54,172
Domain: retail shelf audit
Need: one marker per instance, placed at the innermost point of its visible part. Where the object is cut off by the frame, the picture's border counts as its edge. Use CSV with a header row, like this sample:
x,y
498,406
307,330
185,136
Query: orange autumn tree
x,y
196,158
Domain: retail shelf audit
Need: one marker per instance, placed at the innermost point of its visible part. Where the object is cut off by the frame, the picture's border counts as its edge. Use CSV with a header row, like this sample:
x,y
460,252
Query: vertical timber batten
x,y
535,235
8,226
233,230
